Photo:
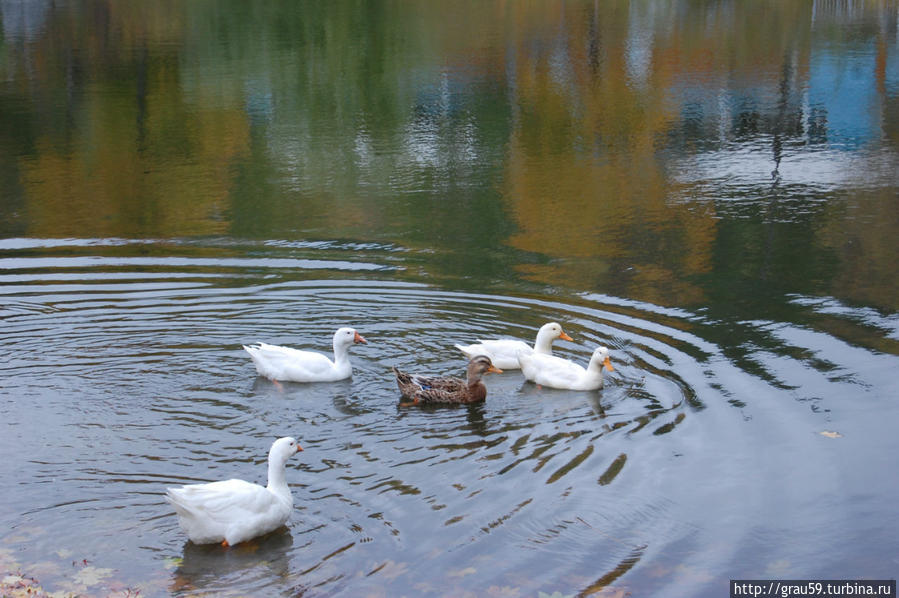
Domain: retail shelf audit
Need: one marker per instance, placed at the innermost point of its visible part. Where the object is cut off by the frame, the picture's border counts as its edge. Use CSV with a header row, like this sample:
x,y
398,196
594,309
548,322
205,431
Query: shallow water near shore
x,y
719,211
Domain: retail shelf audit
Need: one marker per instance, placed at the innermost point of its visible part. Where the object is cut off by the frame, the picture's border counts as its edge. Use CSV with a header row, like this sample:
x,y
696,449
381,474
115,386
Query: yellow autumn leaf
x,y
172,562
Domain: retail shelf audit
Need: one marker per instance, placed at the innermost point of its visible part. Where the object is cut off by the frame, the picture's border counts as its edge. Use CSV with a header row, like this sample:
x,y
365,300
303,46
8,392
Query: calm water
x,y
709,189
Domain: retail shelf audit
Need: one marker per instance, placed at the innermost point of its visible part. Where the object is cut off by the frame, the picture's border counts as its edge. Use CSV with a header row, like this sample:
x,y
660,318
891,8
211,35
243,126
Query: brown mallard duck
x,y
447,389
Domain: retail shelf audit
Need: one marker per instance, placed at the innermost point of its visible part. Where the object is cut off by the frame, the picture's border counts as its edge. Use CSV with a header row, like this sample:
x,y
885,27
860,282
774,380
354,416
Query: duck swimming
x,y
293,365
447,389
504,352
234,511
557,372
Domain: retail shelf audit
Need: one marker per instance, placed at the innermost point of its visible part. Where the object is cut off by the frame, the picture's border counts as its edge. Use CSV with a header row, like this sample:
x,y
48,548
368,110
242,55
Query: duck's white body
x,y
557,372
234,511
503,353
284,363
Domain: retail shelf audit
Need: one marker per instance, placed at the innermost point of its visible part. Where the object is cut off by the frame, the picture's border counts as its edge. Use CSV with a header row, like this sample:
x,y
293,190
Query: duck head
x,y
283,449
547,334
344,337
480,365
600,359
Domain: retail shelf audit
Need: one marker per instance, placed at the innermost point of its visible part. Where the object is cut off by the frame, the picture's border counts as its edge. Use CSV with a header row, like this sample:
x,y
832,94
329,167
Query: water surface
x,y
710,190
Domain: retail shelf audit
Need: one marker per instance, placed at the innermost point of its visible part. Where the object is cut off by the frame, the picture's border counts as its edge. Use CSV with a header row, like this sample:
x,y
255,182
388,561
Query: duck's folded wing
x,y
504,347
403,379
221,502
470,350
562,378
438,383
504,344
552,370
275,361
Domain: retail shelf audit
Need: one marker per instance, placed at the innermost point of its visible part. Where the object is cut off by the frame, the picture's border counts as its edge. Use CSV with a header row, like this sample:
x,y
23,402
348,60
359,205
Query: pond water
x,y
709,189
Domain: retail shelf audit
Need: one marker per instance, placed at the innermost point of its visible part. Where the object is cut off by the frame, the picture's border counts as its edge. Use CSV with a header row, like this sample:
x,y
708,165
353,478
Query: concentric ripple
x,y
124,374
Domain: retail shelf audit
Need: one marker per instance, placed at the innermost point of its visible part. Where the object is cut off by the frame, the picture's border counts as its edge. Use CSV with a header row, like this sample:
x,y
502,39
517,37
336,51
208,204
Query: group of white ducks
x,y
234,511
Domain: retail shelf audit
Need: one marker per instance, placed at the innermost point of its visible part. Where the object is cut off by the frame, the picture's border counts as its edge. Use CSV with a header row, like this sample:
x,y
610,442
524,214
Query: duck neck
x,y
277,479
594,368
476,389
473,380
341,354
543,344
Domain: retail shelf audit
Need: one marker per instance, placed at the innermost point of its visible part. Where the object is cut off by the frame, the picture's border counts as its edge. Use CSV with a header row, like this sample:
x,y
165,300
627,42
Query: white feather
x,y
234,510
503,353
285,363
557,372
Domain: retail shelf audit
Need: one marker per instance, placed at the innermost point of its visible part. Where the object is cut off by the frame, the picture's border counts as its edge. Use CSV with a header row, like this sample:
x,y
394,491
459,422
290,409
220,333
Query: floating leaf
x,y
45,569
172,562
18,586
463,572
91,576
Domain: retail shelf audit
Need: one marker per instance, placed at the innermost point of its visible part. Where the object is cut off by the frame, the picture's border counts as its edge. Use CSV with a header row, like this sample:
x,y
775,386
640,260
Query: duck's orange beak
x,y
358,339
565,337
608,364
299,449
494,369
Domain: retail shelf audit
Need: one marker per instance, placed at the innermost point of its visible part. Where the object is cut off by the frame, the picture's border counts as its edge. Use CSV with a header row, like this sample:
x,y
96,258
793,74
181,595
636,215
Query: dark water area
x,y
711,190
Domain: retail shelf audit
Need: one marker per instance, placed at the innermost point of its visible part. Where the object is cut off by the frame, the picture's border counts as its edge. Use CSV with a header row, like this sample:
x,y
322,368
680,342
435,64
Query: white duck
x,y
284,363
556,372
233,511
503,353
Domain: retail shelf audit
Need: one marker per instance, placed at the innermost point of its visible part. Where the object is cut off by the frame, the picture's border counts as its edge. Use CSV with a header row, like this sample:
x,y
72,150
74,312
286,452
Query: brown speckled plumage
x,y
447,389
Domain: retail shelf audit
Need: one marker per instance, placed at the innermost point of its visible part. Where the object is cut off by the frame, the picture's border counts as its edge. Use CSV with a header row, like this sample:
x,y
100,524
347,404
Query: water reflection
x,y
707,188
603,147
260,564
